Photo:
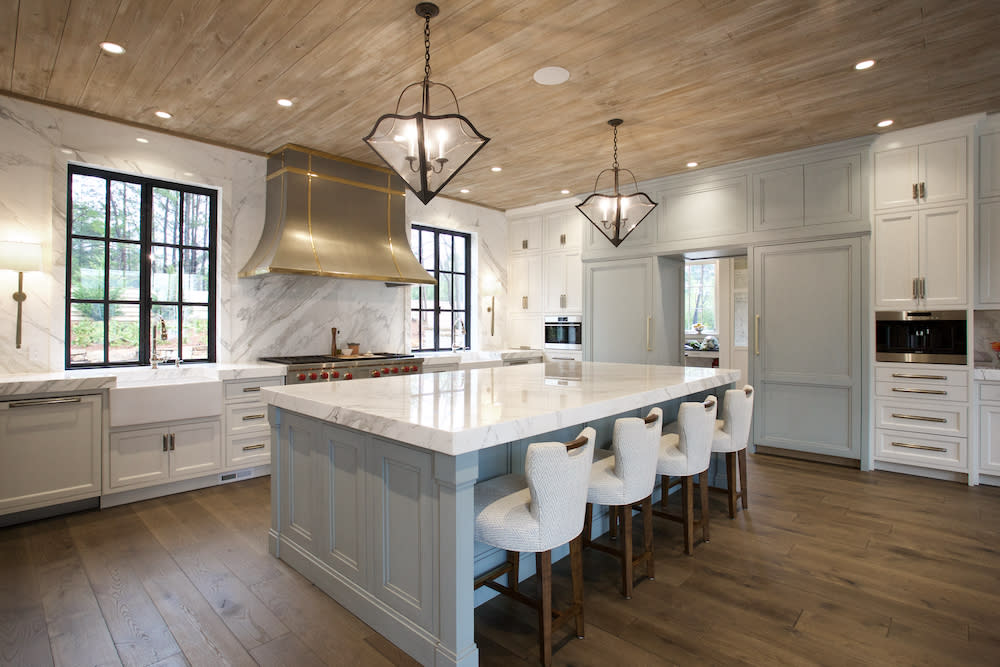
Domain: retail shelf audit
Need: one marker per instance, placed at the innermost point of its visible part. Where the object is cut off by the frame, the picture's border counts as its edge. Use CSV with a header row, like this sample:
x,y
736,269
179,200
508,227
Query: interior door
x,y
618,320
807,347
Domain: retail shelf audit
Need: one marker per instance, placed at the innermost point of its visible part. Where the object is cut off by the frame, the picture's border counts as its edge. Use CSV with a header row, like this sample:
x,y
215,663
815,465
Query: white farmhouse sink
x,y
156,396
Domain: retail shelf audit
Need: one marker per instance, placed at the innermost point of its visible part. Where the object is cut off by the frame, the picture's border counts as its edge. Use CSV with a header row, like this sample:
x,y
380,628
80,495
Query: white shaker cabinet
x,y
989,428
562,279
170,451
525,236
525,277
562,231
929,173
50,451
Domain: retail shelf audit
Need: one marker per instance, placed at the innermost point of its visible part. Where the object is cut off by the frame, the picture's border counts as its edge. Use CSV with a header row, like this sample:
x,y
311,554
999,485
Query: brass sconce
x,y
20,257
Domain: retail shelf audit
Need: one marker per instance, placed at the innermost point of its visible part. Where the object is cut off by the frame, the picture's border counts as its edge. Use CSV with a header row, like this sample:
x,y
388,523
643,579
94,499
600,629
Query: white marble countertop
x,y
467,410
474,358
986,373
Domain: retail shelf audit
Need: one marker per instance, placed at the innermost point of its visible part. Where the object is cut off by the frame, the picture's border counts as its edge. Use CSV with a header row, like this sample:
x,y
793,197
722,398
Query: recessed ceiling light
x,y
142,140
112,48
692,164
551,76
188,173
884,123
67,151
464,191
285,102
164,114
564,191
865,64
496,168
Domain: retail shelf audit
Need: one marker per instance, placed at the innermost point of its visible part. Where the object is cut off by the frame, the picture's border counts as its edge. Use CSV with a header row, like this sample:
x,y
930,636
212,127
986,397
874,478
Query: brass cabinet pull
x,y
166,447
524,244
172,441
923,288
247,390
562,239
936,392
247,418
925,447
562,300
649,322
524,303
923,190
252,447
44,401
913,287
914,191
756,335
917,376
937,420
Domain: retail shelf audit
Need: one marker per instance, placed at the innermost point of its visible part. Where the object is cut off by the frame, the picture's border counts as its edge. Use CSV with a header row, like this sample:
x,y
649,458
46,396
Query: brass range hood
x,y
330,216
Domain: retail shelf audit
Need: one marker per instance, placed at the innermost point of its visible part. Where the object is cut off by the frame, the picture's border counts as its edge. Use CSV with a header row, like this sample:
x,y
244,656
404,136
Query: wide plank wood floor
x,y
829,566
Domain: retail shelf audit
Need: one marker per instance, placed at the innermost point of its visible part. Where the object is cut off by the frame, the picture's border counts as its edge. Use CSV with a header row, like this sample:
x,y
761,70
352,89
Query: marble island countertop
x,y
475,358
467,410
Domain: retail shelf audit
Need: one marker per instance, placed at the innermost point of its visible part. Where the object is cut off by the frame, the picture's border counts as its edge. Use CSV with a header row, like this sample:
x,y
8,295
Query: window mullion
x,y
145,273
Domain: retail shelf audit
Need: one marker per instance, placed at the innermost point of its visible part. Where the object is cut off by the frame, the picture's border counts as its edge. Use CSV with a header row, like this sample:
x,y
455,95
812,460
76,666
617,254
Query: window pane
x,y
459,255
444,290
123,332
195,336
196,276
414,330
166,216
86,333
89,205
427,330
459,301
164,279
444,242
414,296
87,270
124,210
166,348
427,296
197,219
445,337
123,271
427,250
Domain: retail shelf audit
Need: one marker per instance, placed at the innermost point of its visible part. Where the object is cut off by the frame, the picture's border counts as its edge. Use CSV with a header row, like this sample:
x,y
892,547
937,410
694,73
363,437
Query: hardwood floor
x,y
829,566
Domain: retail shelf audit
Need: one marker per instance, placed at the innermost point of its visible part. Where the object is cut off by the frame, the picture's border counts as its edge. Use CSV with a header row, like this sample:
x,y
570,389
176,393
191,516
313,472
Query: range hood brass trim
x,y
390,279
330,156
323,177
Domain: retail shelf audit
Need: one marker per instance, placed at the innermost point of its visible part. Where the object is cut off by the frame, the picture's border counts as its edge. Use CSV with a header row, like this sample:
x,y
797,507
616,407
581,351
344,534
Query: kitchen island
x,y
372,481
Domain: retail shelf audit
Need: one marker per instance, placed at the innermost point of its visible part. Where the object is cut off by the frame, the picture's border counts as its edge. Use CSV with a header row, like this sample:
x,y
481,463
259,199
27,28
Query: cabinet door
x,y
833,191
562,231
139,456
989,165
704,210
196,450
778,198
619,317
525,331
989,439
525,236
554,283
943,251
989,253
574,282
526,284
896,174
50,451
896,260
943,166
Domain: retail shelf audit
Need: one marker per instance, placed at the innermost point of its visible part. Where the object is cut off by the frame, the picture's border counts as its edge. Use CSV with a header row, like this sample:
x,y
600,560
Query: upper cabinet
x,y
814,193
929,173
988,221
561,231
989,165
716,208
525,236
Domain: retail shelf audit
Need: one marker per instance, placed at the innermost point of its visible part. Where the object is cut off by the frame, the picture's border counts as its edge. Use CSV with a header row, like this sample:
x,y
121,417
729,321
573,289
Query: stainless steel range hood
x,y
329,216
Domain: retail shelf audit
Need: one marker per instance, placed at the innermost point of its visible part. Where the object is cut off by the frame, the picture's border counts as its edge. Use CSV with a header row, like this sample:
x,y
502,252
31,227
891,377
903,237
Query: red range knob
x,y
348,376
336,374
312,376
375,374
404,369
324,375
413,368
385,371
302,376
395,370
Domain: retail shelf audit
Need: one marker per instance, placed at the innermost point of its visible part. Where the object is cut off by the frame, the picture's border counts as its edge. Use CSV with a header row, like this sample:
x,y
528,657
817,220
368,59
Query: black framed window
x,y
437,312
141,253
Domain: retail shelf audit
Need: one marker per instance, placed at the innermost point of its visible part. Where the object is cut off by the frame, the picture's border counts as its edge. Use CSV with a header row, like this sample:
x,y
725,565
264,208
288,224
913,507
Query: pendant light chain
x,y
616,147
427,48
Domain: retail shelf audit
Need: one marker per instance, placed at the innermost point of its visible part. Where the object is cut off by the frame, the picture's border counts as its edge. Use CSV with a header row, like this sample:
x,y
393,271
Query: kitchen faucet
x,y
460,327
155,359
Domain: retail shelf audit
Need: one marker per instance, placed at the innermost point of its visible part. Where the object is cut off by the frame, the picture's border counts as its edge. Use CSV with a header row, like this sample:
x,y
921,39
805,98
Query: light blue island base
x,y
386,527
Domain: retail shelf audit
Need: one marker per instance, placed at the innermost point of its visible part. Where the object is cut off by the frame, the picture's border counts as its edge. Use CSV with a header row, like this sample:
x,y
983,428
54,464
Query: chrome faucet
x,y
155,359
459,326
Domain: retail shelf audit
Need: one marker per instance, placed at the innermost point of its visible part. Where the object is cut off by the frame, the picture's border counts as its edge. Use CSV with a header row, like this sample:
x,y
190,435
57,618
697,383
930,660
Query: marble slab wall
x,y
986,330
256,316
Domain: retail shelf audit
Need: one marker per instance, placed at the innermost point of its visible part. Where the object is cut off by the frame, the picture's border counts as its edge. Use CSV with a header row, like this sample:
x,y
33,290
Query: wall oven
x,y
563,332
921,337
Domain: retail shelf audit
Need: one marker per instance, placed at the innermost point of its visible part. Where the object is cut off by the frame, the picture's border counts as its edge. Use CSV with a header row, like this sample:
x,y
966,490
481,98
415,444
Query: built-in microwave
x,y
921,336
564,332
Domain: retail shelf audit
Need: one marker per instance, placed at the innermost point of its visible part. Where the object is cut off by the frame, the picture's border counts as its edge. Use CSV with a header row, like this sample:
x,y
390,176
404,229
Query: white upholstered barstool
x,y
732,433
623,476
685,451
537,512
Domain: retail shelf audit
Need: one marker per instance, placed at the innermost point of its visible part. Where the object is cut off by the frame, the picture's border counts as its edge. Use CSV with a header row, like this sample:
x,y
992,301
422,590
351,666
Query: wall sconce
x,y
20,257
490,288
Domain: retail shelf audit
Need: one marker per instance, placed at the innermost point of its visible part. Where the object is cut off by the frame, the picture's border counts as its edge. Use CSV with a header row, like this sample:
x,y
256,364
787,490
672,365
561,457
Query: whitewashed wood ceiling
x,y
708,80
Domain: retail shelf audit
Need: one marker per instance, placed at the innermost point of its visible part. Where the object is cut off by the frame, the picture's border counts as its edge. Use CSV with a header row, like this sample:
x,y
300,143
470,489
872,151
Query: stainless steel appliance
x,y
921,337
563,332
330,368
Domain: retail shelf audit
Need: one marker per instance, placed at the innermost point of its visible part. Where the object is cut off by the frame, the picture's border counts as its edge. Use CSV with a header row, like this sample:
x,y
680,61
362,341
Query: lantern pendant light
x,y
425,150
616,215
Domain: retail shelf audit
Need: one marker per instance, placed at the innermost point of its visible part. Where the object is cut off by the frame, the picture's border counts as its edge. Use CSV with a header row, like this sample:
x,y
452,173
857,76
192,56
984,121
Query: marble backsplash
x,y
985,331
256,316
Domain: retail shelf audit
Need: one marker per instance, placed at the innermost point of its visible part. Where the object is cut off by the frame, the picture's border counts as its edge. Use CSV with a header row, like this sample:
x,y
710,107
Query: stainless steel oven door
x,y
563,332
921,337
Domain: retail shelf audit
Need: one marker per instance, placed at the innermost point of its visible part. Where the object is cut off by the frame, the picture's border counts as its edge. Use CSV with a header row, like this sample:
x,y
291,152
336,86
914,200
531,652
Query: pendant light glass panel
x,y
616,216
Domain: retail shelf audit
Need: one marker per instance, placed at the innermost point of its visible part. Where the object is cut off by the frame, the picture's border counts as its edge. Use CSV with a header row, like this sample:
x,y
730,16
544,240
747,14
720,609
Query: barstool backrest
x,y
636,445
558,479
696,425
737,412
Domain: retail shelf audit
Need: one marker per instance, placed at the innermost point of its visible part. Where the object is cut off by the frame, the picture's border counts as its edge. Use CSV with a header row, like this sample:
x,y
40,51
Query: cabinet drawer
x,y
921,376
253,449
243,417
905,390
915,449
989,391
249,389
937,418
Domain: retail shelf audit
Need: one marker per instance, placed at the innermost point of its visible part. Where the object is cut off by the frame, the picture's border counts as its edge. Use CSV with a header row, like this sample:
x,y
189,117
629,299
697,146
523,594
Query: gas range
x,y
329,368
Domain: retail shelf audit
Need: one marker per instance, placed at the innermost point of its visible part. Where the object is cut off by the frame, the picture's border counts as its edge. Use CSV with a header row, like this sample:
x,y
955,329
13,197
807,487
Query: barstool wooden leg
x,y
613,523
588,528
543,570
647,535
742,454
703,478
731,482
576,562
687,492
664,491
626,515
514,558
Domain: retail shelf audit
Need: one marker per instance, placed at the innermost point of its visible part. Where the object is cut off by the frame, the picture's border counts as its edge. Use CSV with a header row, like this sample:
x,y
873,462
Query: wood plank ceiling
x,y
708,80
